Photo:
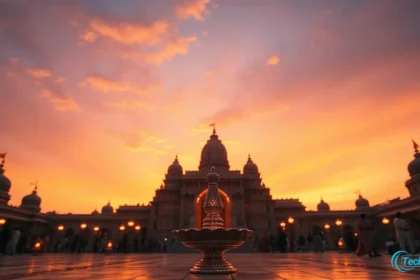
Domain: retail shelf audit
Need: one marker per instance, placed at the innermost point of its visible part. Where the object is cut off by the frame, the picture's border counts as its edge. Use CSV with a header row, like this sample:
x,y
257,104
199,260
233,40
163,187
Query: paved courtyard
x,y
306,266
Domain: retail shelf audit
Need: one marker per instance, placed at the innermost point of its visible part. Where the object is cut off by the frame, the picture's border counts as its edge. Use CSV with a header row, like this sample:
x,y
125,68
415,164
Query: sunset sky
x,y
97,97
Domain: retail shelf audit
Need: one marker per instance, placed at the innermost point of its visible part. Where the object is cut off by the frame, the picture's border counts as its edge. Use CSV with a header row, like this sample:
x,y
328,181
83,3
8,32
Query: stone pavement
x,y
306,266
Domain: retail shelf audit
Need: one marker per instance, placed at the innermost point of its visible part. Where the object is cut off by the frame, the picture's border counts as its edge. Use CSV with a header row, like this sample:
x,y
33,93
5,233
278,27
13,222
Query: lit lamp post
x,y
291,221
83,226
96,229
385,220
340,242
60,228
2,221
327,226
108,248
37,247
283,225
130,223
137,228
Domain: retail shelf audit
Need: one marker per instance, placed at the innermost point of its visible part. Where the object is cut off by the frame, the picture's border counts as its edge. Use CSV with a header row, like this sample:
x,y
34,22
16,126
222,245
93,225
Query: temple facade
x,y
179,200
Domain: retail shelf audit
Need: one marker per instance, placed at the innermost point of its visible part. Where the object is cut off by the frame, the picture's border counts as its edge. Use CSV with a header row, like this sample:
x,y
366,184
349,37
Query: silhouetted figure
x,y
124,243
366,240
74,243
310,239
21,245
317,241
265,244
349,240
282,241
136,244
301,243
5,236
403,234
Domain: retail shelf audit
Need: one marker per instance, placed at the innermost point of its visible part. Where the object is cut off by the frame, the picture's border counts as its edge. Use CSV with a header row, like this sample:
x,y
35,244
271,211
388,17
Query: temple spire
x,y
35,184
3,157
214,128
416,146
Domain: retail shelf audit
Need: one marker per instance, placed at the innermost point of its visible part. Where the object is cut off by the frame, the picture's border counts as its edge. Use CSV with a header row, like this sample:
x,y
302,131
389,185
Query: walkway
x,y
303,266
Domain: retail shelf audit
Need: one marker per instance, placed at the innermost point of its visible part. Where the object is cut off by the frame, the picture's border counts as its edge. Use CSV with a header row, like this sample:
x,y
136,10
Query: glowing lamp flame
x,y
130,223
60,227
96,229
338,222
283,224
37,245
355,234
2,221
83,226
327,226
109,245
340,244
137,227
385,221
122,228
291,220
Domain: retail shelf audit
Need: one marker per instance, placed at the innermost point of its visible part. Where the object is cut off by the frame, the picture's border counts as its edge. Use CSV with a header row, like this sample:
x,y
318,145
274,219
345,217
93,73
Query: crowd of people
x,y
16,241
364,242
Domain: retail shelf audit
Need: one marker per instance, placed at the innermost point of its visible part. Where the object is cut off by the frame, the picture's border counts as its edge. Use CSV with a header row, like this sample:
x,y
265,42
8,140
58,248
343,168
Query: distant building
x,y
178,204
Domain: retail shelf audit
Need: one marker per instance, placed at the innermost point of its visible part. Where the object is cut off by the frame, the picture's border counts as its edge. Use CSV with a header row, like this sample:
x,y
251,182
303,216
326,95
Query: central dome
x,y
214,154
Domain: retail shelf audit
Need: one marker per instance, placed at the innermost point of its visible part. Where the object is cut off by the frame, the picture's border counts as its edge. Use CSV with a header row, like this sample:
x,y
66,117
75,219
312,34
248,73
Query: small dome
x,y
95,212
323,206
32,201
250,167
362,203
214,154
175,167
5,183
107,208
414,165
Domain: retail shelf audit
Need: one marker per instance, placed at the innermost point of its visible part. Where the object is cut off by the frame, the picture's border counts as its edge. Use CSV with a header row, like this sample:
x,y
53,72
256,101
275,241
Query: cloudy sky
x,y
97,97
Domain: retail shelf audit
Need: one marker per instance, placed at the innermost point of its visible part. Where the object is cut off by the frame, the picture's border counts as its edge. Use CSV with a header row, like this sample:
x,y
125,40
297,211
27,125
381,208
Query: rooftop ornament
x,y
213,240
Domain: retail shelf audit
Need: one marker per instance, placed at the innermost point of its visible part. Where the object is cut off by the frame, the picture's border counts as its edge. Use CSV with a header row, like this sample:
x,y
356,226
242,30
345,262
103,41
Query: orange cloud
x,y
39,73
151,144
89,36
195,9
274,60
132,105
104,85
128,33
179,46
60,103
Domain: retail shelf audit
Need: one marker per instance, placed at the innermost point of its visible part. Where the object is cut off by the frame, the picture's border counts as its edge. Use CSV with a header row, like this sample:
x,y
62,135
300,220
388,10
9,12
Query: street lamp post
x,y
291,222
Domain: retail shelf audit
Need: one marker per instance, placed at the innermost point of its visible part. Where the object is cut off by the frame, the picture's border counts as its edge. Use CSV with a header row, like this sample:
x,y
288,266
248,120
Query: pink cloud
x,y
128,33
195,9
179,46
273,60
39,73
106,85
60,103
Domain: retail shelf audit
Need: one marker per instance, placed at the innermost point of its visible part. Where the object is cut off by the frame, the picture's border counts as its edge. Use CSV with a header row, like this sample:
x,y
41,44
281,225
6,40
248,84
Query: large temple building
x,y
179,200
